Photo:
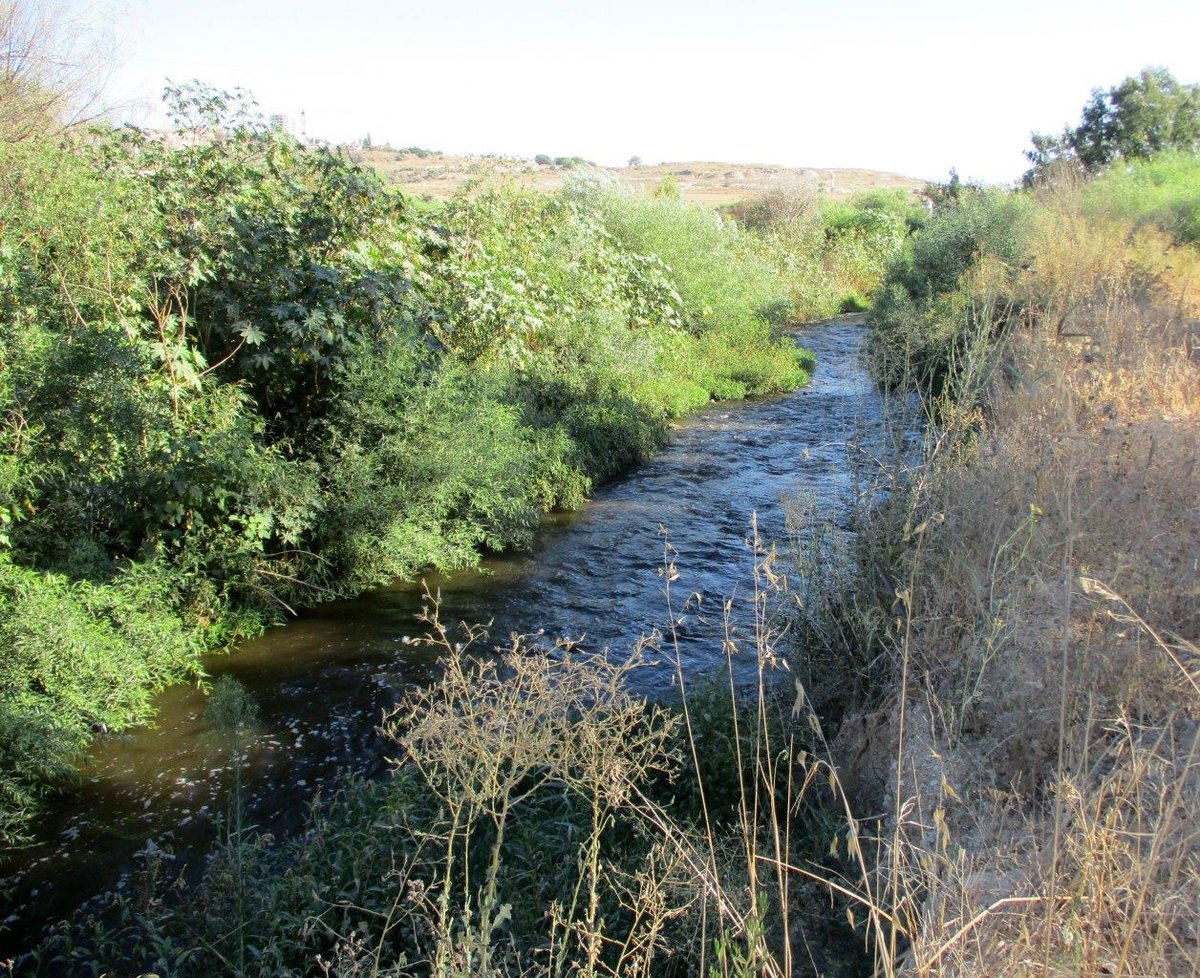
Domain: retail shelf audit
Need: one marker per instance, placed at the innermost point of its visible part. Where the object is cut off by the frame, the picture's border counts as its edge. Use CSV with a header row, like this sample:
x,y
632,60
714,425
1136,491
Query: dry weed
x,y
1045,637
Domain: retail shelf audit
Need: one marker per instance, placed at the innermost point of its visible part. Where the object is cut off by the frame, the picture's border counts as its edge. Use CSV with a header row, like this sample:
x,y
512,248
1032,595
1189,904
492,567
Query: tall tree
x,y
1141,116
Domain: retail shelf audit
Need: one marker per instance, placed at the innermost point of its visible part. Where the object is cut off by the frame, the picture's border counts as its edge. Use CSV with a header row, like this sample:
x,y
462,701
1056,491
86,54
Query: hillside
x,y
709,183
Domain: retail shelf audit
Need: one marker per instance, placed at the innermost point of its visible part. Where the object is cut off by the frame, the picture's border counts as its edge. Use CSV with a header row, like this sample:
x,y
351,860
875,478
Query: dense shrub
x,y
832,253
724,286
982,223
1162,192
78,657
925,314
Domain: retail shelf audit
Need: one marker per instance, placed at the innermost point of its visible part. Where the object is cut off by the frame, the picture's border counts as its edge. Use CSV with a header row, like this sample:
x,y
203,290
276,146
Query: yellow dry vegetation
x,y
1044,733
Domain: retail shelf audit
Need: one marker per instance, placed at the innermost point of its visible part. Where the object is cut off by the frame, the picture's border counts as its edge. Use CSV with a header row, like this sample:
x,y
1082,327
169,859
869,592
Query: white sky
x,y
914,88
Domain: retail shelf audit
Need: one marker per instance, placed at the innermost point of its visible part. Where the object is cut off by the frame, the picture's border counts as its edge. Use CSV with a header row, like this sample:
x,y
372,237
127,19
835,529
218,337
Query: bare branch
x,y
53,69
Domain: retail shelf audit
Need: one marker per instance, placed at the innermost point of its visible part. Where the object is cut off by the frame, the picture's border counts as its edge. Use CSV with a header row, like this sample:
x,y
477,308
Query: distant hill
x,y
439,176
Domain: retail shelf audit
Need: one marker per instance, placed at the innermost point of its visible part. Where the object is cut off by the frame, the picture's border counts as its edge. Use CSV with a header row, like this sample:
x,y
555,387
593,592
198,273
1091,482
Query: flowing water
x,y
322,681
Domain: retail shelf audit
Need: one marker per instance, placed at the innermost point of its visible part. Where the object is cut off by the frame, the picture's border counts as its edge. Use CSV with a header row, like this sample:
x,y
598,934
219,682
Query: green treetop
x,y
1136,119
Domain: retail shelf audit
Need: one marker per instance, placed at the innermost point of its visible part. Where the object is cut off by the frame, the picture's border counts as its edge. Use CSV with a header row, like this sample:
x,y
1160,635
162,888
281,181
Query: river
x,y
322,681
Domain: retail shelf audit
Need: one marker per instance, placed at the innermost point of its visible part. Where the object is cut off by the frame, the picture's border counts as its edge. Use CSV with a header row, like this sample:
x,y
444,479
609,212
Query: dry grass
x,y
1039,754
730,894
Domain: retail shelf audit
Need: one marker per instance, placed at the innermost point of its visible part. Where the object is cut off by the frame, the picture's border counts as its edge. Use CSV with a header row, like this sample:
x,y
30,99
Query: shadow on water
x,y
322,682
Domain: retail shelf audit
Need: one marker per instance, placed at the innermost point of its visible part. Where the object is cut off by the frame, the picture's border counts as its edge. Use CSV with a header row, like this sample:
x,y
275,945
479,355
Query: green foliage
x,y
270,255
418,151
1163,192
448,476
733,300
513,267
863,234
833,254
922,317
984,222
1135,120
950,191
231,709
951,294
725,732
854,302
77,657
724,287
668,189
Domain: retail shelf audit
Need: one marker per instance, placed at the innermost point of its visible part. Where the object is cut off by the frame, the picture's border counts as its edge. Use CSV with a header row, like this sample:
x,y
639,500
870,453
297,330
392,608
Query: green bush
x,y
77,657
444,473
723,284
989,222
854,302
1163,192
832,253
922,319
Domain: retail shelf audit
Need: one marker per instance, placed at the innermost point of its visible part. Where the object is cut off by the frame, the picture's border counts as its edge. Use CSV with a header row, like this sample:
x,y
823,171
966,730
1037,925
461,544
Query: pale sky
x,y
913,88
